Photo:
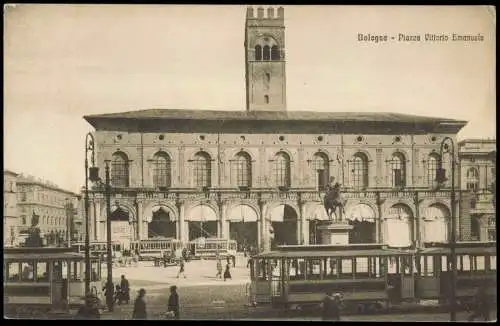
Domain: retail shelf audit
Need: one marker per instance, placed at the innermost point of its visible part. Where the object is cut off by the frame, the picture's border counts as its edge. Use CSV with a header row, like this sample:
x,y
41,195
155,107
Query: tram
x,y
370,277
40,280
98,248
154,248
209,248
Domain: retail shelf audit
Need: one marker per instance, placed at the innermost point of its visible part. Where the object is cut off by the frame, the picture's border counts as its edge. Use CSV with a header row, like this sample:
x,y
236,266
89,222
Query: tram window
x,y
361,267
276,268
374,267
444,263
76,271
478,263
297,269
314,269
331,269
346,268
406,265
95,271
493,263
392,267
428,264
42,271
262,270
12,272
465,263
27,274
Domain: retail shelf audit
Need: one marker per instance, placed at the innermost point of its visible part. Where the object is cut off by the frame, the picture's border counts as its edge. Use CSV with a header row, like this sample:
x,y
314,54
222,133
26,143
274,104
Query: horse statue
x,y
333,199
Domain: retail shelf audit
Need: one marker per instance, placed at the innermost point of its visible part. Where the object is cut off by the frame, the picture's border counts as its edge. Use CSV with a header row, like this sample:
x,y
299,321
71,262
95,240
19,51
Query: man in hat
x,y
89,309
173,302
331,306
140,306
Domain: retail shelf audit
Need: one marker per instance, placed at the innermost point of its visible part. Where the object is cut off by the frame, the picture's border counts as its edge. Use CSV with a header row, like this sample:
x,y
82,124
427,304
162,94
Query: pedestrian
x,y
234,260
125,290
481,305
173,302
227,273
118,295
331,307
111,297
140,306
181,269
88,310
219,268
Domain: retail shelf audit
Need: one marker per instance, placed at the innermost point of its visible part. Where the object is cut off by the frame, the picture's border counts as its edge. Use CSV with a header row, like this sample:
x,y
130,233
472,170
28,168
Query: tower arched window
x,y
398,170
281,170
275,53
320,166
359,171
242,170
162,171
472,179
268,77
266,99
119,170
432,165
266,53
258,52
202,168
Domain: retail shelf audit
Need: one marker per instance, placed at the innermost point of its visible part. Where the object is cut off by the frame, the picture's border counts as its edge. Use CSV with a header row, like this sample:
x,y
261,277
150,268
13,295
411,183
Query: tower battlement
x,y
271,13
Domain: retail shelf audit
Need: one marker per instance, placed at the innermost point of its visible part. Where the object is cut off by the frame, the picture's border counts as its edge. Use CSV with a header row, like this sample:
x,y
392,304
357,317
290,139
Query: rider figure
x,y
332,185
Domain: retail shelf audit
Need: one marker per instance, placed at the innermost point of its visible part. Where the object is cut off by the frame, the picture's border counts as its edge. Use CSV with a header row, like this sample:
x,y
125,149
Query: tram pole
x,y
440,178
94,174
109,254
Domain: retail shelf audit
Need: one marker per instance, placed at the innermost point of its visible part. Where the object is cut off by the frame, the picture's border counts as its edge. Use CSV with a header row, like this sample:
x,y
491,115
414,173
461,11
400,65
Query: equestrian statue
x,y
333,199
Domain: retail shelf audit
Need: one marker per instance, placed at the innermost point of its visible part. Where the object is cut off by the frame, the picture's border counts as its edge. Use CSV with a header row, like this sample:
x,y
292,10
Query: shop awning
x,y
361,212
277,214
201,213
318,213
242,213
436,212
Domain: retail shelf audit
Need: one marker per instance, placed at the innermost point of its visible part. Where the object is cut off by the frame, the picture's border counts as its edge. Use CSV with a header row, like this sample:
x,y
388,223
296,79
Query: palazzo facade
x,y
258,175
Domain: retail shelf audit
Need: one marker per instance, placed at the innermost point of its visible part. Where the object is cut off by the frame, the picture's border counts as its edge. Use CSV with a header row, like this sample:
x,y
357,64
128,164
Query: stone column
x,y
263,230
140,219
180,222
305,225
378,220
223,228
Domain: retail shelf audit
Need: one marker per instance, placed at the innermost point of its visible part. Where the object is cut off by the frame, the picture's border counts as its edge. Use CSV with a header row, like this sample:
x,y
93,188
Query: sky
x,y
62,62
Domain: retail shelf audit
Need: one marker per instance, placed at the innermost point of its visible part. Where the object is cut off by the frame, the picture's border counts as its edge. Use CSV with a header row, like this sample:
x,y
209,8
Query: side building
x,y
10,209
478,177
46,205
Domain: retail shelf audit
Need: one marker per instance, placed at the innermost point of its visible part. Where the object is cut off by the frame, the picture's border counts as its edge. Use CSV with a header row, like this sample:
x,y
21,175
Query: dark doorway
x,y
198,229
285,233
363,232
161,225
245,234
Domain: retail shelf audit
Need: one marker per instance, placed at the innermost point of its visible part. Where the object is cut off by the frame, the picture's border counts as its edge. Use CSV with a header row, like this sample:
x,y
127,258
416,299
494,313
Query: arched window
x,y
268,77
472,180
202,169
258,52
119,170
162,170
266,53
360,171
321,168
242,170
266,99
275,53
432,165
398,170
281,170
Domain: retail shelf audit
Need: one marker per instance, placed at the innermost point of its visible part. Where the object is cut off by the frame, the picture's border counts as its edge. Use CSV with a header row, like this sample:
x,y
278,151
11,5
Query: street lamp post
x,y
440,178
109,255
94,176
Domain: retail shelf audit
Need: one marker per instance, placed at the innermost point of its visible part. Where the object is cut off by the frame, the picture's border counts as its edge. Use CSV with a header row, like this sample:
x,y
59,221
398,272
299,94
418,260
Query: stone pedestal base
x,y
336,233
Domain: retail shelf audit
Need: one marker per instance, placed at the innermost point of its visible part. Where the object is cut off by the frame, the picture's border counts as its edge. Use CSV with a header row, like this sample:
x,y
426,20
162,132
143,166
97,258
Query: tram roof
x,y
43,256
333,253
461,250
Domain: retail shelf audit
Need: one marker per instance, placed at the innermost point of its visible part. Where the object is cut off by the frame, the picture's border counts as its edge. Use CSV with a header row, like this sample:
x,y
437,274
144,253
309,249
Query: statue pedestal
x,y
336,233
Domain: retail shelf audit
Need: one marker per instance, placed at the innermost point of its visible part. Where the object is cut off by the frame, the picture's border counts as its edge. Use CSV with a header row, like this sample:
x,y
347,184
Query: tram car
x,y
157,248
370,277
210,248
98,248
40,280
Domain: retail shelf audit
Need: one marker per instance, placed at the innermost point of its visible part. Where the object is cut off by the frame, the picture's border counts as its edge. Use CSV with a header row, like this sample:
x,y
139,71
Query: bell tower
x,y
265,60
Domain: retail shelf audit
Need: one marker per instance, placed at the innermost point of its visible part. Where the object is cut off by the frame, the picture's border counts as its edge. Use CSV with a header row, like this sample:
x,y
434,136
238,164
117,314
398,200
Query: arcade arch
x,y
243,226
162,223
283,225
398,226
362,218
202,222
436,223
